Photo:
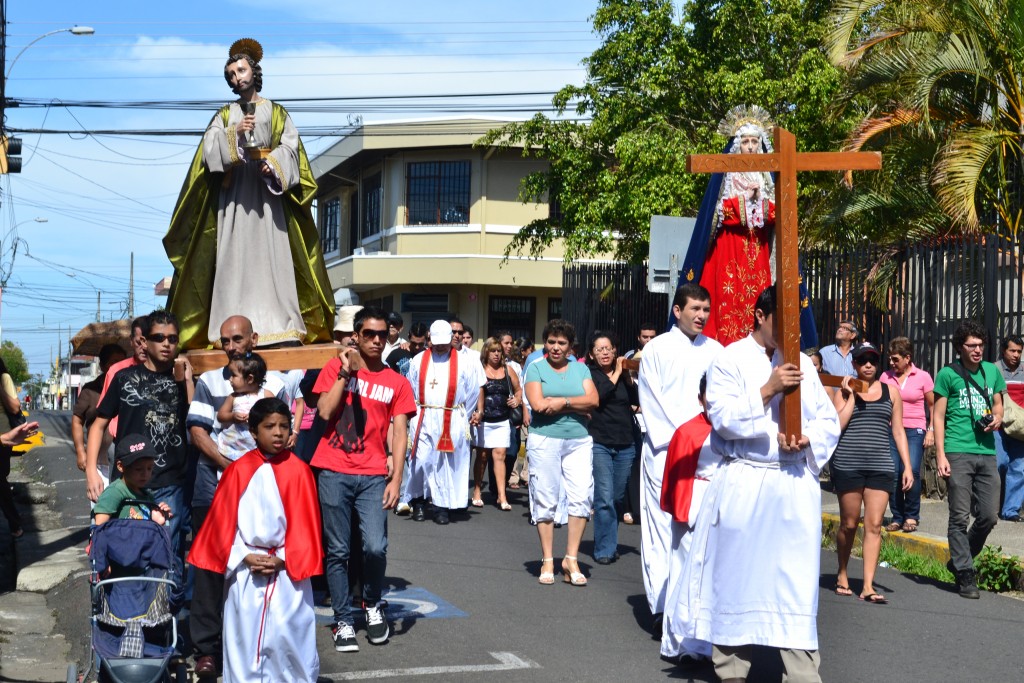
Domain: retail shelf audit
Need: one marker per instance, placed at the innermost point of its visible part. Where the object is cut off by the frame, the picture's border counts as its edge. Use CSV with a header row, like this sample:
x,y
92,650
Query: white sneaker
x,y
402,509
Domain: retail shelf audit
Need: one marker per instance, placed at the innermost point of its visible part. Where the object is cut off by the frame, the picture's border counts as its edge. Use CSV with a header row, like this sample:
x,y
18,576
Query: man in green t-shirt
x,y
968,412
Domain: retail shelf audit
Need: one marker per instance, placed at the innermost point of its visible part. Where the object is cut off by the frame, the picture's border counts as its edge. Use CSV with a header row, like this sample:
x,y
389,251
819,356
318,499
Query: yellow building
x,y
414,218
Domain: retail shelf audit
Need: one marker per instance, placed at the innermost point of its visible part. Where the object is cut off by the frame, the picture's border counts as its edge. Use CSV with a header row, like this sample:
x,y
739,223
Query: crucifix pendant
x,y
433,383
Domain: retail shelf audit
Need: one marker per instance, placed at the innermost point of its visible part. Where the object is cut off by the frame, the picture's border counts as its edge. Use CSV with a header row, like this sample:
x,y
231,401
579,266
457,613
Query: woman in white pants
x,y
559,448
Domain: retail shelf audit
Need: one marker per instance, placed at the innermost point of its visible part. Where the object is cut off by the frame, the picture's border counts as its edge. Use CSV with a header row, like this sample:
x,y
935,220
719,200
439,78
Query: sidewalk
x,y
930,537
48,554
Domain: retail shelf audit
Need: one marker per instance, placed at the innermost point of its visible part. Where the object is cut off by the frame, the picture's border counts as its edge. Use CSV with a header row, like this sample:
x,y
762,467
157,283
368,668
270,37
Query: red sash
x,y
681,467
444,444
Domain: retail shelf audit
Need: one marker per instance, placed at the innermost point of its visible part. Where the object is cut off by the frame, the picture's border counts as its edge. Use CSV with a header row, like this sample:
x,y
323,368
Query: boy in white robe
x,y
263,534
752,571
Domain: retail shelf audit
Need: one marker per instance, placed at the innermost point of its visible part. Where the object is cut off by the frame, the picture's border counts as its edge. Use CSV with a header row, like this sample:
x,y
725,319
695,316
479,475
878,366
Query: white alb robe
x,y
670,370
443,477
673,642
269,622
752,572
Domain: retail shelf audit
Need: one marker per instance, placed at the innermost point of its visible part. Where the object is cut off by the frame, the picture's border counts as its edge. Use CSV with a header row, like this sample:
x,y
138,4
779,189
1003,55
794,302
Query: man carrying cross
x,y
449,398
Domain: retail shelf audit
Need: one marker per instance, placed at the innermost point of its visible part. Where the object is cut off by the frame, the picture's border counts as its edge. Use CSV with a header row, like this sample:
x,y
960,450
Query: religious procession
x,y
279,471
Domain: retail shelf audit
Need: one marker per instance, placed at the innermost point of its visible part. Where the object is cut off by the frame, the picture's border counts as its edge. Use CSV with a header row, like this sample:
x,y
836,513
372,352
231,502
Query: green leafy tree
x,y
945,79
656,89
14,359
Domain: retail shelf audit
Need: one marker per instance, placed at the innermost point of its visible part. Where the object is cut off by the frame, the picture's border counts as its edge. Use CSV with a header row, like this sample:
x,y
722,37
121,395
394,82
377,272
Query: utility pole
x,y
131,288
97,305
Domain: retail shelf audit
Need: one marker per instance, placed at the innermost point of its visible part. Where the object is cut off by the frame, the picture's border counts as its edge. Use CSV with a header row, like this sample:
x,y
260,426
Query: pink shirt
x,y
917,383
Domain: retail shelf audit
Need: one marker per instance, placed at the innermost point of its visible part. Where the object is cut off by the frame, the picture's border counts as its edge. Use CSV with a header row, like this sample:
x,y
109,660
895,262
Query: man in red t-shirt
x,y
359,398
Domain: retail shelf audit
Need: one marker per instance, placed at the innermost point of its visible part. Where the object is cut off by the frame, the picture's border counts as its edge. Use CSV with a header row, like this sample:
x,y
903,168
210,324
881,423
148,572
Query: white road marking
x,y
507,661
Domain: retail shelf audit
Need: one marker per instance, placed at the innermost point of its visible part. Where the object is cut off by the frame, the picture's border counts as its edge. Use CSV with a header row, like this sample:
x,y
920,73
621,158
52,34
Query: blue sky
x,y
107,196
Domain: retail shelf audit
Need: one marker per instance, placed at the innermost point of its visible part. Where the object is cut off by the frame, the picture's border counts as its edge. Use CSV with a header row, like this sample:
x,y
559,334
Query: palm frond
x,y
959,168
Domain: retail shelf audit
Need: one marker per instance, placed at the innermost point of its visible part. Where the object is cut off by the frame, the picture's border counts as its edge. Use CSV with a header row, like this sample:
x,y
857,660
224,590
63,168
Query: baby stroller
x,y
135,598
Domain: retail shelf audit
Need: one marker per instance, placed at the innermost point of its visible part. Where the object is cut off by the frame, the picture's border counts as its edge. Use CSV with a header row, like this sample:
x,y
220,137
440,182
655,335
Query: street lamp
x,y
74,30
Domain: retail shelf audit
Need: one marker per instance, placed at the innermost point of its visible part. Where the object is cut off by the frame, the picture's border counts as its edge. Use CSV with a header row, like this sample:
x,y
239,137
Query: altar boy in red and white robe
x,y
263,534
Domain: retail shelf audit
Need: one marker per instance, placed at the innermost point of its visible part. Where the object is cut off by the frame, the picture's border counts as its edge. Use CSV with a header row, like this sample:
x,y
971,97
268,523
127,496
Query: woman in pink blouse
x,y
915,387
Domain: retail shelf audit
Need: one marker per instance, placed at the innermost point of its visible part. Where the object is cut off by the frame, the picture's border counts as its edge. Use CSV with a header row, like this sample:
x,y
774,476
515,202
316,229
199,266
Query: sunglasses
x,y
370,334
161,338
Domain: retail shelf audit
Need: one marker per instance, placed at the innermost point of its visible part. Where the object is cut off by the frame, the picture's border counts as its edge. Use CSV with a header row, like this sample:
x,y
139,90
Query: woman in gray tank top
x,y
862,468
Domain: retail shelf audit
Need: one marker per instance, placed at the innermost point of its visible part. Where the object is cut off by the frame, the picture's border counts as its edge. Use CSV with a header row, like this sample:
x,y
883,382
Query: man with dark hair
x,y
395,341
152,399
670,371
1010,451
467,338
837,359
237,339
399,359
762,510
360,398
968,413
646,333
85,411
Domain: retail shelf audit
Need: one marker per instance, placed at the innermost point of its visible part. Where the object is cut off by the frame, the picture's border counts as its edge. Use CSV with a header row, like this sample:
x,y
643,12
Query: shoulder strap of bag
x,y
962,371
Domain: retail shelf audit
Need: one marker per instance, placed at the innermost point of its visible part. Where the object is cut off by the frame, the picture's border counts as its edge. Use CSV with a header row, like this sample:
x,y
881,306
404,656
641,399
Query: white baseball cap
x,y
440,332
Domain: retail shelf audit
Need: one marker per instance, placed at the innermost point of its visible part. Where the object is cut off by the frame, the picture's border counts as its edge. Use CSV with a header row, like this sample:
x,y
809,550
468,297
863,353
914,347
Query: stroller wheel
x,y
72,673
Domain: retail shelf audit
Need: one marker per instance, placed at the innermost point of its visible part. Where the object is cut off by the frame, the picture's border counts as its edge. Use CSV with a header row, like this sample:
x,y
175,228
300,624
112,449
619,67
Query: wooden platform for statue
x,y
836,381
289,358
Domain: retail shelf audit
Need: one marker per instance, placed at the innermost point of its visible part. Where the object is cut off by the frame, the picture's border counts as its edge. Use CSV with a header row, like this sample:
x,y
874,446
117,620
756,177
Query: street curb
x,y
917,543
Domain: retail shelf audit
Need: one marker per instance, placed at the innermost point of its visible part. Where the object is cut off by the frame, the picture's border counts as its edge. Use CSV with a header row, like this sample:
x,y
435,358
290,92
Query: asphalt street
x,y
473,609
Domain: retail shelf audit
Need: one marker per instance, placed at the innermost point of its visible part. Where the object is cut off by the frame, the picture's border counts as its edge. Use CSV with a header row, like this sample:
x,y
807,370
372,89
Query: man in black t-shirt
x,y
398,360
152,399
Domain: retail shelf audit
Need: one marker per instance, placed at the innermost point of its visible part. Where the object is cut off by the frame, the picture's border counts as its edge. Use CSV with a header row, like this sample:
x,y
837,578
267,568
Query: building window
x,y
424,308
513,314
438,193
373,194
554,308
330,225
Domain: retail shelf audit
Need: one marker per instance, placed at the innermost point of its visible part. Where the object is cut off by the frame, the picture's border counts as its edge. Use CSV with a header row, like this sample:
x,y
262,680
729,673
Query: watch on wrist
x,y
344,374
567,404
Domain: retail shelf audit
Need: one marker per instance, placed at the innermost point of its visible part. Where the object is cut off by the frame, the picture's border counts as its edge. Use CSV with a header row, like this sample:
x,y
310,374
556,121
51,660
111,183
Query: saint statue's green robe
x,y
242,243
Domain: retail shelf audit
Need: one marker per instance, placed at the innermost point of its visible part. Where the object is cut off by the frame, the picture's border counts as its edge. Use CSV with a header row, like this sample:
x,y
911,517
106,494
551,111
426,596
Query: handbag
x,y
514,414
1013,418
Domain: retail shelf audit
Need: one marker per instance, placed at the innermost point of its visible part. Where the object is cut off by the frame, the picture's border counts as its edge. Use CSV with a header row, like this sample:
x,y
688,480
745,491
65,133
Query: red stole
x,y
303,547
681,467
444,444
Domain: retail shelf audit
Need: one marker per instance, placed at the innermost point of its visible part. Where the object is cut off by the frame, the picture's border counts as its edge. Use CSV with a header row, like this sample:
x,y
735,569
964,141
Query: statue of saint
x,y
242,239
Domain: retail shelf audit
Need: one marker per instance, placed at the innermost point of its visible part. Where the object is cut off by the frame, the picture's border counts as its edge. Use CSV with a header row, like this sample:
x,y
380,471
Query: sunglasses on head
x,y
161,338
370,334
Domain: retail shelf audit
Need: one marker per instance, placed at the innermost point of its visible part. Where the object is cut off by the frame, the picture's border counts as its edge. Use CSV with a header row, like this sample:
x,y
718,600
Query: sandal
x,y
910,526
894,526
843,590
504,505
575,578
514,485
547,578
478,503
875,599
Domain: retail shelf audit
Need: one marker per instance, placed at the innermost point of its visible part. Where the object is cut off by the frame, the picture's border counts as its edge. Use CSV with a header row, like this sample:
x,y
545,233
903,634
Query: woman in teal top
x,y
561,395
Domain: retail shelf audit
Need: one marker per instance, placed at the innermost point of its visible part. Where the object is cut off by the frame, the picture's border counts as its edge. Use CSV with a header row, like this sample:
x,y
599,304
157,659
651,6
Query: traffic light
x,y
10,155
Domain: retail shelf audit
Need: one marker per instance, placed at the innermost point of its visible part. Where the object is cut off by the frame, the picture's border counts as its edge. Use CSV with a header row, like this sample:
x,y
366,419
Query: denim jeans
x,y
340,494
1010,461
907,504
611,472
973,486
178,525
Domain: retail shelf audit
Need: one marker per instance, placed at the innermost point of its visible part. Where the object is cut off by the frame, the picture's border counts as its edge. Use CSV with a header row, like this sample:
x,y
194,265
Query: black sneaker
x,y
1012,518
968,584
441,516
344,637
377,631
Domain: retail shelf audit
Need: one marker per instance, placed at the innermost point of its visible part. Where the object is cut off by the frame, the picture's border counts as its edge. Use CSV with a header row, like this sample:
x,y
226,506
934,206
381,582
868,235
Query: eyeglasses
x,y
370,334
238,339
604,349
972,347
158,338
455,331
895,359
846,329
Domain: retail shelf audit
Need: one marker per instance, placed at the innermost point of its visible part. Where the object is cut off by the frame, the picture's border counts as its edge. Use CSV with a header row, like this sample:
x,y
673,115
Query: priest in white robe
x,y
670,372
752,571
449,399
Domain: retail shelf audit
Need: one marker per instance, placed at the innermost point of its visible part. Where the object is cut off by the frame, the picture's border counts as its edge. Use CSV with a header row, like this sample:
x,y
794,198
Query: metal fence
x,y
933,287
611,297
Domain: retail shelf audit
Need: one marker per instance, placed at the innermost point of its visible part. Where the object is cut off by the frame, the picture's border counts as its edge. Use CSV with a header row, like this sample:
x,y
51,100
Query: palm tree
x,y
945,75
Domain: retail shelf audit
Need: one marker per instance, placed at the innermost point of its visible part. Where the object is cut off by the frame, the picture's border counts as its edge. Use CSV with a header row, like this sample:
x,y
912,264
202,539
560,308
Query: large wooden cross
x,y
786,162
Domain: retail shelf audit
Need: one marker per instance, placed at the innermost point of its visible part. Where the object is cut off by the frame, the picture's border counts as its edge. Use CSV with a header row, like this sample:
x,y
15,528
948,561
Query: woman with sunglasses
x,y
614,449
915,389
494,433
862,470
562,396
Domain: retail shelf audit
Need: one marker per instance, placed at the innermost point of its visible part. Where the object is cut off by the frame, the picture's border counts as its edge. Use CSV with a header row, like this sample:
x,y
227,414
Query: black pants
x,y
206,616
6,495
